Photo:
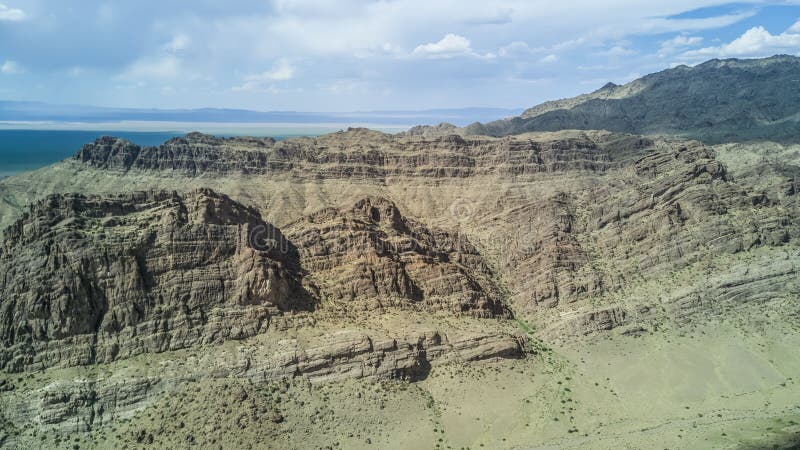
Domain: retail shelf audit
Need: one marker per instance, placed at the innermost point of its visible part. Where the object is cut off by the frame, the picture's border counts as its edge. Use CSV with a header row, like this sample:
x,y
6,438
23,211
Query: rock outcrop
x,y
666,211
360,153
575,213
678,205
397,254
192,154
441,129
369,256
84,404
546,261
89,279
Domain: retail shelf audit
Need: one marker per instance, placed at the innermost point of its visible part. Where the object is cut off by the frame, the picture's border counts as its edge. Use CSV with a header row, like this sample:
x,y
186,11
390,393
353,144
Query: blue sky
x,y
320,55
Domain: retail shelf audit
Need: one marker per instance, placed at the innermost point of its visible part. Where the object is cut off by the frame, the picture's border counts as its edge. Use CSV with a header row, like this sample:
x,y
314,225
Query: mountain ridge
x,y
720,100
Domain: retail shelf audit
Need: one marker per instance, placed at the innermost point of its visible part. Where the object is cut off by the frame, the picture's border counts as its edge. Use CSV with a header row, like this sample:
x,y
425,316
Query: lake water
x,y
25,150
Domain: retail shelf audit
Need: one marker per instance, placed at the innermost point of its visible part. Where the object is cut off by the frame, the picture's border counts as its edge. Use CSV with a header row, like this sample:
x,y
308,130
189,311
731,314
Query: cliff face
x,y
193,154
717,101
355,153
671,210
371,256
559,217
92,279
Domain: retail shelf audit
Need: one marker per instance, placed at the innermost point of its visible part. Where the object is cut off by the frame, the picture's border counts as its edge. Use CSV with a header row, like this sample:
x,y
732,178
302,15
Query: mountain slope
x,y
564,219
570,289
717,101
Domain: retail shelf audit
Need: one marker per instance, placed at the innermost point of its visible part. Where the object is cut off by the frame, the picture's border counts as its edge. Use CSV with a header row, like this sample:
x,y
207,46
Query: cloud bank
x,y
364,54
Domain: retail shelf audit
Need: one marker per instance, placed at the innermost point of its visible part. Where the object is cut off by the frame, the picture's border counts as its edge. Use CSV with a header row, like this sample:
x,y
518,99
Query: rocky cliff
x,y
370,256
92,279
356,153
89,279
672,210
557,216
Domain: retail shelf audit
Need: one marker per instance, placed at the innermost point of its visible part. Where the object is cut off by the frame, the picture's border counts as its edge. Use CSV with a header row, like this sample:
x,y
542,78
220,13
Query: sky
x,y
361,55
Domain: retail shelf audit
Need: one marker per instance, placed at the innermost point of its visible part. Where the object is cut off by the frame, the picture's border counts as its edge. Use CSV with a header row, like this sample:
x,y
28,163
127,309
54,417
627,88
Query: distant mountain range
x,y
11,111
717,101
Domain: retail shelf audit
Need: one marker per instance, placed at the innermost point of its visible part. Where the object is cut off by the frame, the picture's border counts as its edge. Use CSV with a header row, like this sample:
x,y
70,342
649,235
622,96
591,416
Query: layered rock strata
x,y
371,256
90,279
359,153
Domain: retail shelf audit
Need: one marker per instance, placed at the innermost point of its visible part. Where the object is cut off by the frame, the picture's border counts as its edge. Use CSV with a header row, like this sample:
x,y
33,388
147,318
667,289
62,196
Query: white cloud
x,y
314,26
678,43
390,48
598,68
500,16
570,44
449,46
346,87
11,14
551,58
617,51
385,49
105,14
521,49
10,67
165,67
403,44
282,70
361,30
516,48
657,25
681,41
755,42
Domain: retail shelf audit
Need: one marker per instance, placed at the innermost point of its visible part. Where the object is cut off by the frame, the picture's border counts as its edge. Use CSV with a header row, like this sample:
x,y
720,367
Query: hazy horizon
x,y
28,115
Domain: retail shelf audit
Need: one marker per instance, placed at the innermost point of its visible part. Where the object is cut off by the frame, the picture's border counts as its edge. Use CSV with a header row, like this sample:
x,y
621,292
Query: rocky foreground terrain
x,y
433,289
